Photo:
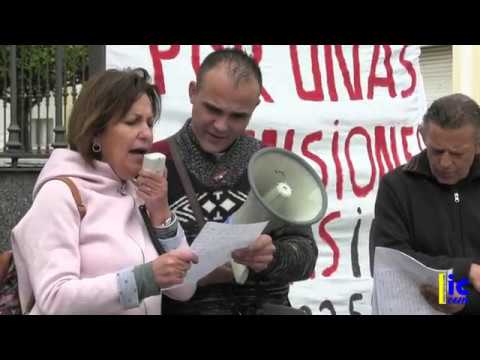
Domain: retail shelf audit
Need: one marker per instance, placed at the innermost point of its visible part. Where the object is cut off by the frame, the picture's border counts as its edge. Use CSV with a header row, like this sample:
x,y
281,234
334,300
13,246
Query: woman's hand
x,y
171,268
152,188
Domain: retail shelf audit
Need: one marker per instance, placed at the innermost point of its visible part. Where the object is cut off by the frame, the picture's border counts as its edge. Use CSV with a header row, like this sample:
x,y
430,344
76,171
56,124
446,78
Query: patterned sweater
x,y
221,186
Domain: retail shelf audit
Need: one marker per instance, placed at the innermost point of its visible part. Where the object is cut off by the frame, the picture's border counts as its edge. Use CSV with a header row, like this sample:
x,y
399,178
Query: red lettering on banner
x,y
406,131
332,91
157,57
385,157
196,58
355,91
338,165
310,138
388,80
381,150
288,145
393,144
350,72
269,137
317,93
360,191
257,56
411,71
325,236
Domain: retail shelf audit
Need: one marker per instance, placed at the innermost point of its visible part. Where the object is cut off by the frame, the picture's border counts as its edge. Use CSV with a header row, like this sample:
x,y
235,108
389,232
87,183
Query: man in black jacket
x,y
430,207
215,151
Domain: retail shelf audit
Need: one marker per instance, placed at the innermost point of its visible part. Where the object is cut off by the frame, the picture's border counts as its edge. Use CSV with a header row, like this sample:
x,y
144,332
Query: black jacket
x,y
437,224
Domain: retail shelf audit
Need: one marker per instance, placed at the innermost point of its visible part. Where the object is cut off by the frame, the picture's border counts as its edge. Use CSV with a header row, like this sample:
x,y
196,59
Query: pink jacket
x,y
70,265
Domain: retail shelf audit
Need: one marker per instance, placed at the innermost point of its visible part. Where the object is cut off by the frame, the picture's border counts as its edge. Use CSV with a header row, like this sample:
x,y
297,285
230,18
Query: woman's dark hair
x,y
106,97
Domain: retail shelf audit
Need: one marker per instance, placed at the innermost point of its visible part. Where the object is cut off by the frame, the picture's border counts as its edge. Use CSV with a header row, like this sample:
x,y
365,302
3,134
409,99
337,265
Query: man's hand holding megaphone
x,y
258,255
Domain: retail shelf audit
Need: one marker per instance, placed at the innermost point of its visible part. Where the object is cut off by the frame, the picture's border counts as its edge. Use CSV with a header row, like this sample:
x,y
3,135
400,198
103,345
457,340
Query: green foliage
x,y
36,66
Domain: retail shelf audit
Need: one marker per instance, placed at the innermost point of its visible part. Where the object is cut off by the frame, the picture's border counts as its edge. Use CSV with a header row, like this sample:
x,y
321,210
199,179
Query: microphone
x,y
154,162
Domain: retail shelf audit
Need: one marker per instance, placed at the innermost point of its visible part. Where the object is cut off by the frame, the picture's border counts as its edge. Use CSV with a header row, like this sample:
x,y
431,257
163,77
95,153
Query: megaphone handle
x,y
240,272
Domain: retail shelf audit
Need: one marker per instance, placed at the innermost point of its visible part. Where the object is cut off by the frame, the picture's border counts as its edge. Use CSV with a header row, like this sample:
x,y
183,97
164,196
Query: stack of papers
x,y
397,280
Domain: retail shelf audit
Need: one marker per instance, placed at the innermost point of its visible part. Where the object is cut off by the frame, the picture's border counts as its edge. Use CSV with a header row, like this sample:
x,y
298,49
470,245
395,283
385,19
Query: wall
x,y
466,70
15,200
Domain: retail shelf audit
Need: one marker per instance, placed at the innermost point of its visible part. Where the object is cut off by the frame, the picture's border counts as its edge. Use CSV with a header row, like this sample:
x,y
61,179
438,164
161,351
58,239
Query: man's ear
x,y
477,142
192,91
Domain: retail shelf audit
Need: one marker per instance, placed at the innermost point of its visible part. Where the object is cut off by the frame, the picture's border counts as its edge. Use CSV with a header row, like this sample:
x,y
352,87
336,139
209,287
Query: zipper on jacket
x,y
456,197
458,216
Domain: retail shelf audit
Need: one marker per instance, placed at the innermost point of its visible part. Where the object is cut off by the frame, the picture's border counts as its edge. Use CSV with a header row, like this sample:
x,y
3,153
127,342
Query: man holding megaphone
x,y
213,168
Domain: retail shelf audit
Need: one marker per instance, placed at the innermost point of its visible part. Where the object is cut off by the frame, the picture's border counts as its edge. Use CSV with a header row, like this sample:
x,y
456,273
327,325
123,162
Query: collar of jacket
x,y
215,171
187,129
419,165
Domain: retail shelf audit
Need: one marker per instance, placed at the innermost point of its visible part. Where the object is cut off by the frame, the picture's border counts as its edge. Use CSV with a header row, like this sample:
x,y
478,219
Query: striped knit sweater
x,y
221,186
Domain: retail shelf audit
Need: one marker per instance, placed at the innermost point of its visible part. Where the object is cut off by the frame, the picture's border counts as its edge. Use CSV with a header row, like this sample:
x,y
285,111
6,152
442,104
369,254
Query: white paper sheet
x,y
397,281
215,244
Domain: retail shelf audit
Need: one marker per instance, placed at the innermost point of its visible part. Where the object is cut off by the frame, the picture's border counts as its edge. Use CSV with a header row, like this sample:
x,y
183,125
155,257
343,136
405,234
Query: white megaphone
x,y
284,189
